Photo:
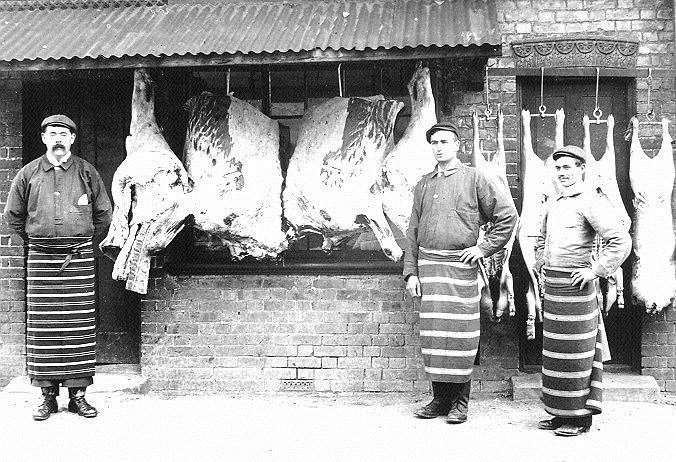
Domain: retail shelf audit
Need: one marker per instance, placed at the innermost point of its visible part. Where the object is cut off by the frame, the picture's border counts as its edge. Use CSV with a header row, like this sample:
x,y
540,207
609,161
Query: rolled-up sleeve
x,y
15,210
607,223
497,207
411,251
541,242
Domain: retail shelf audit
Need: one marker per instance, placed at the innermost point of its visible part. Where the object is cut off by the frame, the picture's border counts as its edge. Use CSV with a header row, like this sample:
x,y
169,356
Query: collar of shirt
x,y
49,161
450,168
572,190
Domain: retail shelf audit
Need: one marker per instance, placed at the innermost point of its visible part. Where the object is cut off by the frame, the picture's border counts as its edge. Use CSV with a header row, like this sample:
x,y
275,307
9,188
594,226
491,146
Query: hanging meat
x,y
232,154
537,189
601,174
333,183
150,193
653,281
495,269
412,157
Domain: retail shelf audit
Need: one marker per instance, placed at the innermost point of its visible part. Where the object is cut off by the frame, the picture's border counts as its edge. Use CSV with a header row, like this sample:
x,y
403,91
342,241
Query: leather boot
x,y
78,404
48,405
440,404
458,412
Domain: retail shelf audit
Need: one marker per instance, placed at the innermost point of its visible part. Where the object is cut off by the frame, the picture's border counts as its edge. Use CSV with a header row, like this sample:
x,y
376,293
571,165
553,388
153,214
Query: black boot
x,y
78,403
440,404
48,405
458,412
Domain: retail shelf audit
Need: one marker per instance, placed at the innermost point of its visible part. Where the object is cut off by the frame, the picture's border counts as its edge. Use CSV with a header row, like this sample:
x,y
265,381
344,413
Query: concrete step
x,y
617,386
108,387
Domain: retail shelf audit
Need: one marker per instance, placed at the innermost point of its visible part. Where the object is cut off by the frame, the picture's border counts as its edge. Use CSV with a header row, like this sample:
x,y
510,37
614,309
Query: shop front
x,y
311,317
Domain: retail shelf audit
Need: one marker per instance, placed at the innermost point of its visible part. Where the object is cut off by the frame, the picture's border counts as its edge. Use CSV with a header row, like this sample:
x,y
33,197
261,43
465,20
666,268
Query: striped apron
x,y
449,315
572,347
61,317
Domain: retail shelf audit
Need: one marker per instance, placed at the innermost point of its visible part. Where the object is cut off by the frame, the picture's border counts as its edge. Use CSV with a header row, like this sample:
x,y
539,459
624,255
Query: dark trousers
x,y
80,382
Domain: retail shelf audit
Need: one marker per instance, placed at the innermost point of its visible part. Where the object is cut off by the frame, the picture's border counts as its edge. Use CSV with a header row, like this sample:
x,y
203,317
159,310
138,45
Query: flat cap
x,y
59,120
443,126
570,151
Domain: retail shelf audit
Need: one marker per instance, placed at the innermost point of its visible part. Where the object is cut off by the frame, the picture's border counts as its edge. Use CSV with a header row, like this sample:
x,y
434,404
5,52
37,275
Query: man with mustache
x,y
573,340
441,266
57,203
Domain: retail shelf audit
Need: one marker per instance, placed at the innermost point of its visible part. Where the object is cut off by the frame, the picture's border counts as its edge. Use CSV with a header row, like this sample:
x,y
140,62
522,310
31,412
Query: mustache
x,y
57,146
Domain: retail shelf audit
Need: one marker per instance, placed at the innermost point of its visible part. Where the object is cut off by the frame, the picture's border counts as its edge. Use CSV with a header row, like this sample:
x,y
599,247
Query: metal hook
x,y
543,109
597,110
227,82
340,81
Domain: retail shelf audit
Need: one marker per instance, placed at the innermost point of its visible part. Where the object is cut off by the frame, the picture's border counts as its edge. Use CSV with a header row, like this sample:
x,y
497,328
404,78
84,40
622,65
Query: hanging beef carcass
x,y
601,174
412,157
333,179
496,266
232,154
150,193
537,189
653,281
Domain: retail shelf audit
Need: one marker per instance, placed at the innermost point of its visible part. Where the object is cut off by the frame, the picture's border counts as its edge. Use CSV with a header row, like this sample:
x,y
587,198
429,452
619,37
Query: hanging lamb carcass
x,y
332,182
538,188
495,267
652,180
412,157
150,192
232,154
601,174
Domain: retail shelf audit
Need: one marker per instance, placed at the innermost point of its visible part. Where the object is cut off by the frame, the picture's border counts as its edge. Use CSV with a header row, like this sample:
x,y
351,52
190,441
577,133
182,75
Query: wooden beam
x,y
240,59
573,72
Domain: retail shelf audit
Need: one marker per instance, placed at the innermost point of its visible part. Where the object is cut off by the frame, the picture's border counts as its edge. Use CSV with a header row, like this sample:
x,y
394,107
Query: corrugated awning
x,y
66,29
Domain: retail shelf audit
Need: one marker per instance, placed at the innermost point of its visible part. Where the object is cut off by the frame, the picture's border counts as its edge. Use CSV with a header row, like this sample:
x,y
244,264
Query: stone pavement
x,y
325,427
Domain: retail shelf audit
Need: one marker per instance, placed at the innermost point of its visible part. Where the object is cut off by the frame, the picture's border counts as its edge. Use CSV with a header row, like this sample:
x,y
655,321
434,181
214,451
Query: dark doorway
x,y
100,105
577,97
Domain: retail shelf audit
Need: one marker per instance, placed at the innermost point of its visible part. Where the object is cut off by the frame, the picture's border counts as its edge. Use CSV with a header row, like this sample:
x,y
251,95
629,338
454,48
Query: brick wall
x,y
333,333
12,263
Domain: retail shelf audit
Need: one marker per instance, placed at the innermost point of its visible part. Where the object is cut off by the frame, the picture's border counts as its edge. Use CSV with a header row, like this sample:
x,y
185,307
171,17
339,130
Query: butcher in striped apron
x,y
574,343
441,267
57,203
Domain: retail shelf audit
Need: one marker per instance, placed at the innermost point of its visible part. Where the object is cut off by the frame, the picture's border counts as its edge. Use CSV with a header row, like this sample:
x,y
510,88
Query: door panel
x,y
101,109
577,97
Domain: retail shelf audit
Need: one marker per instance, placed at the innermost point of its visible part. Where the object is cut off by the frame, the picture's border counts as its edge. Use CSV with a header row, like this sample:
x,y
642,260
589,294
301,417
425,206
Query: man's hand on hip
x,y
471,254
582,276
413,286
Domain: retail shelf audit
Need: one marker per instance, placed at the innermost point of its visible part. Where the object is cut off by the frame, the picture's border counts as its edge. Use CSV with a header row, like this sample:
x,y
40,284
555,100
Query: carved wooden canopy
x,y
575,51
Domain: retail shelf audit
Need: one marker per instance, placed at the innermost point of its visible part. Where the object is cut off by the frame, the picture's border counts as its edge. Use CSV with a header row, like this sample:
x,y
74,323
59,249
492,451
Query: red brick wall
x,y
12,262
342,333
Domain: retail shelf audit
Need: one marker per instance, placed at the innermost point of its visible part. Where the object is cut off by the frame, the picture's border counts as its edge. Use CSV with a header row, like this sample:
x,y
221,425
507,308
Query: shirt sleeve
x,y
411,251
496,206
540,242
15,210
101,208
602,216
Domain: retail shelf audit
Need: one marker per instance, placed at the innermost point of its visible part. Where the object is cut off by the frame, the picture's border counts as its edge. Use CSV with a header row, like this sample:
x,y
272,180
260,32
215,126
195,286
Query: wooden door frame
x,y
631,104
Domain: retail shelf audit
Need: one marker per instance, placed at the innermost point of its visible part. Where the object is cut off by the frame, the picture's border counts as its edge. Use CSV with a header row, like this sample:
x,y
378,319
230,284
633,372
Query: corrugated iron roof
x,y
204,27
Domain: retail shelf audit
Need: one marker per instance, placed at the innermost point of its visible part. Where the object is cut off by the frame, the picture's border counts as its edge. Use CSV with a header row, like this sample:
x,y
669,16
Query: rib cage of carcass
x,y
332,182
232,154
496,267
150,193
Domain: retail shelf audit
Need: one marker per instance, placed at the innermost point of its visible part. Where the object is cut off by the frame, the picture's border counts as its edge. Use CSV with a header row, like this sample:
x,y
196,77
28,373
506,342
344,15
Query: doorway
x,y
100,106
577,97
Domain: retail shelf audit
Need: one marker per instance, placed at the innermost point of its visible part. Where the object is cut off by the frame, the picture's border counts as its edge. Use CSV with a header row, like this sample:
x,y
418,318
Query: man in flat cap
x,y
57,203
441,266
573,338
